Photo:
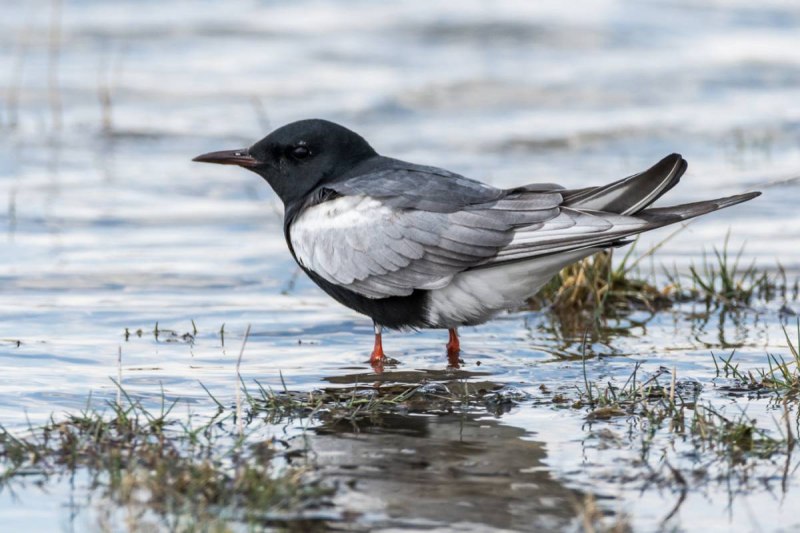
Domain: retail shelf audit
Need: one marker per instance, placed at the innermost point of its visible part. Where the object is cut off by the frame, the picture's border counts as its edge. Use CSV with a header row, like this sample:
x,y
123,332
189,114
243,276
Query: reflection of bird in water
x,y
420,247
457,470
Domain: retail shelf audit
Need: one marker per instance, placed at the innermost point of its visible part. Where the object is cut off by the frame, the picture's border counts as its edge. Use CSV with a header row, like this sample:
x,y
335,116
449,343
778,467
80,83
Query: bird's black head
x,y
298,157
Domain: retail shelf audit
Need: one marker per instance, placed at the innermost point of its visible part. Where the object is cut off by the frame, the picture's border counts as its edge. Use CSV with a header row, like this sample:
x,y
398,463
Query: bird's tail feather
x,y
649,219
630,195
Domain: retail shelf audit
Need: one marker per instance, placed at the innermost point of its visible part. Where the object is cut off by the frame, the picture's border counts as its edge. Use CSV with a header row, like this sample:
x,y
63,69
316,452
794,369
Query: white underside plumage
x,y
475,296
346,214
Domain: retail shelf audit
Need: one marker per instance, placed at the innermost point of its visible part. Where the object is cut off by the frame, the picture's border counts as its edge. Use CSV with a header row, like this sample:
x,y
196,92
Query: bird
x,y
413,246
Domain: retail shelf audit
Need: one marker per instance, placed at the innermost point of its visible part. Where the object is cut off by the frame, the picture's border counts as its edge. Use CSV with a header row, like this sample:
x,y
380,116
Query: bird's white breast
x,y
331,221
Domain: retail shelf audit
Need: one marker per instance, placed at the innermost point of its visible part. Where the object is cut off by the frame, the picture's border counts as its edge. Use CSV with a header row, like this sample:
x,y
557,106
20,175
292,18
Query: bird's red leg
x,y
453,348
377,357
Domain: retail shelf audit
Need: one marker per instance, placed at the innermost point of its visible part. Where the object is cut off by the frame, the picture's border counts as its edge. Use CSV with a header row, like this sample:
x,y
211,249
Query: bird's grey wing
x,y
575,229
374,248
409,186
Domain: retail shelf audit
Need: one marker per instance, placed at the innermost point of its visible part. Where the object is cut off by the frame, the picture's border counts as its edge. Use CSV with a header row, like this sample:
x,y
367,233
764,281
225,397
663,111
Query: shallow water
x,y
108,227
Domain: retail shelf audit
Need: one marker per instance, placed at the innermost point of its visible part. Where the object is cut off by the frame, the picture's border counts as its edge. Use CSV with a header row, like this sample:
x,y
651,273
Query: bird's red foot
x,y
377,357
453,349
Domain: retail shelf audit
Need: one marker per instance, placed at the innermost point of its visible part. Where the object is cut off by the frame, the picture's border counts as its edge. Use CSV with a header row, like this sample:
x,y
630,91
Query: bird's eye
x,y
300,151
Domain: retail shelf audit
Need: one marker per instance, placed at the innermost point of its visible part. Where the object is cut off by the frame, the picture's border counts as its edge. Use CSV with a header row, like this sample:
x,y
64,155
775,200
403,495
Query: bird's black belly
x,y
396,312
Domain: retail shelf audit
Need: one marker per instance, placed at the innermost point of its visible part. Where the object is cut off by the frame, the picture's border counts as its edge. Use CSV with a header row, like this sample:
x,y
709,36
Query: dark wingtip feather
x,y
683,165
633,194
676,213
739,198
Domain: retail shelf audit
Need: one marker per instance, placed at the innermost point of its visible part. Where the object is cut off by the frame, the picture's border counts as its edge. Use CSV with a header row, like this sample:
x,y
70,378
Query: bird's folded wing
x,y
411,186
378,250
573,229
576,229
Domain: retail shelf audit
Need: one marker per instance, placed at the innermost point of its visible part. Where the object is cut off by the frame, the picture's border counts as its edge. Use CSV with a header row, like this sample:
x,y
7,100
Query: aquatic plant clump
x,y
678,436
150,463
602,286
356,403
781,377
213,475
596,284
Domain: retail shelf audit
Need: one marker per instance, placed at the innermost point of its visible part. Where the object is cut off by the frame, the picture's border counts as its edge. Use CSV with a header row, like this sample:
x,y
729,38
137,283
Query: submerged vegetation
x,y
781,377
676,408
355,404
210,475
190,476
225,471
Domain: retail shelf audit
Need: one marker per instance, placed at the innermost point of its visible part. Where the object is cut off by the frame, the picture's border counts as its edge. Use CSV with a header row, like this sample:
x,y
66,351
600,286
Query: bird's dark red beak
x,y
229,157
